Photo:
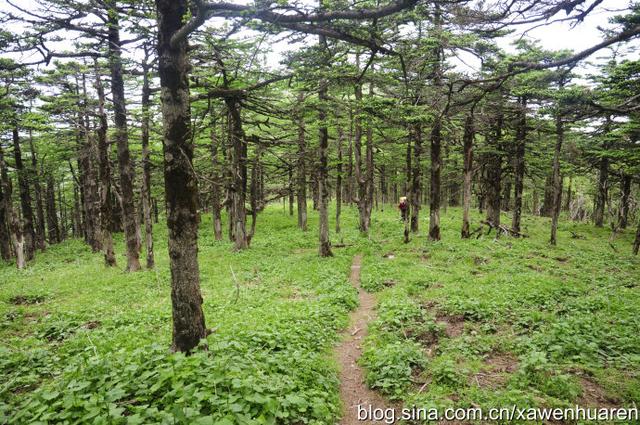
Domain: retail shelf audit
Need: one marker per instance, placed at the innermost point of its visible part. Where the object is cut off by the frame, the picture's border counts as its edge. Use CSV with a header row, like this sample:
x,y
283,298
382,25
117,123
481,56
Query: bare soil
x,y
353,389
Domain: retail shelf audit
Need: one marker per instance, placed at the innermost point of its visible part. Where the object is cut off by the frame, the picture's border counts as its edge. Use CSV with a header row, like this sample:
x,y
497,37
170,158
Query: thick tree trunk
x,y
557,180
181,184
519,165
125,165
415,133
106,219
469,134
15,229
215,186
146,168
53,226
323,168
494,171
40,221
435,192
25,199
624,201
301,191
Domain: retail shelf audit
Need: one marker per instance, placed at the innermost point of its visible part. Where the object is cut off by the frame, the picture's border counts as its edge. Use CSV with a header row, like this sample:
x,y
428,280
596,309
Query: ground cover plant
x,y
280,211
459,323
83,344
496,322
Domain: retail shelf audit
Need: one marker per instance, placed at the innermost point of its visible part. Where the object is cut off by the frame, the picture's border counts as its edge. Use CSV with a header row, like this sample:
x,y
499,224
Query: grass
x,y
491,323
460,322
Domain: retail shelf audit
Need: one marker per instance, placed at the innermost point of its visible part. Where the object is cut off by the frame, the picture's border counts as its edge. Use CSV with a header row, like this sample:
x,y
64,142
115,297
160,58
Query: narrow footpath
x,y
353,389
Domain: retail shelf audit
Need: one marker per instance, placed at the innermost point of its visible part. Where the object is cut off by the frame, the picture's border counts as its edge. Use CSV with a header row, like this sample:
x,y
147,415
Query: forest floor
x,y
478,322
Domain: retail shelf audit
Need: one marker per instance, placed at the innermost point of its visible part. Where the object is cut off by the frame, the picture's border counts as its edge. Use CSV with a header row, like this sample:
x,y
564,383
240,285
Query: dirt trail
x,y
353,390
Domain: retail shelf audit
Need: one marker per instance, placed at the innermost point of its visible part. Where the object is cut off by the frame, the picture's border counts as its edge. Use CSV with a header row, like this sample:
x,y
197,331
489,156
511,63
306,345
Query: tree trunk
x,y
370,170
125,166
435,193
469,134
519,165
5,237
301,191
339,180
567,202
40,222
557,180
15,229
348,187
181,184
25,199
239,176
494,172
415,133
624,201
146,168
291,190
636,242
602,190
215,186
5,226
88,177
255,191
361,179
323,169
52,217
106,222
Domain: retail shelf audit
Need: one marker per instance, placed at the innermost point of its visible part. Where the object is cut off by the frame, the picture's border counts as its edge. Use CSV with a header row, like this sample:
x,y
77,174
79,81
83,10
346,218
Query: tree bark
x,y
15,229
106,219
215,186
181,184
40,222
323,169
53,226
146,167
339,180
5,237
636,242
415,133
301,191
557,180
125,166
435,184
519,165
494,171
624,201
239,175
361,179
602,191
469,134
25,199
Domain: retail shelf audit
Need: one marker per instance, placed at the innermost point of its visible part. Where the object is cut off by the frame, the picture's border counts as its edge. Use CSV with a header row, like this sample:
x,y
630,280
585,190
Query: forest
x,y
318,212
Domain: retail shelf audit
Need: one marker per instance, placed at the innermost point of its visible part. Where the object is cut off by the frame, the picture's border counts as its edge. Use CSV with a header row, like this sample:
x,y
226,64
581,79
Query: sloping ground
x,y
84,344
492,323
357,398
